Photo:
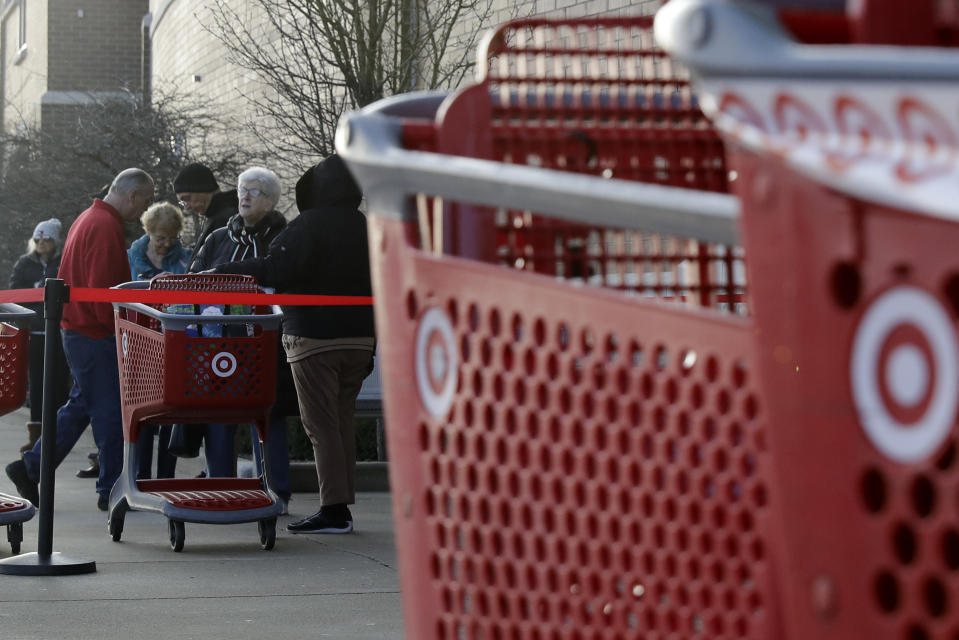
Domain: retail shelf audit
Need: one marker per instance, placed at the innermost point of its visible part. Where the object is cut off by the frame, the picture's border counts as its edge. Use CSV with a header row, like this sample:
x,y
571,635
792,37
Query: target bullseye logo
x,y
124,342
223,364
904,374
437,364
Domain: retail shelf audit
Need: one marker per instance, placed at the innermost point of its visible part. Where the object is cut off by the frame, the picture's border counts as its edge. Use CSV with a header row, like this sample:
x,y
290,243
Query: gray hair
x,y
265,179
130,179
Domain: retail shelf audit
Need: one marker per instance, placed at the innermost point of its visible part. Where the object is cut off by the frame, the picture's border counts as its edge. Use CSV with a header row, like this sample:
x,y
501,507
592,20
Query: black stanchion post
x,y
46,561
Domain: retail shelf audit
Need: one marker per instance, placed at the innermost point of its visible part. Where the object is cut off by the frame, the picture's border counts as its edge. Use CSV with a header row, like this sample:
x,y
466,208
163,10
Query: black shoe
x,y
321,522
93,471
26,487
103,501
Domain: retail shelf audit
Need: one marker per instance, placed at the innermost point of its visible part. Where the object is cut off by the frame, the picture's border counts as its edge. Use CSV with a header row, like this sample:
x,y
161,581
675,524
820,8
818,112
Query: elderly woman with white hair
x,y
247,235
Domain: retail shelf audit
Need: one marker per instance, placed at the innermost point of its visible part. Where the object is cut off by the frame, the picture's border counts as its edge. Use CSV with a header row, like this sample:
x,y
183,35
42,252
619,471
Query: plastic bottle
x,y
211,330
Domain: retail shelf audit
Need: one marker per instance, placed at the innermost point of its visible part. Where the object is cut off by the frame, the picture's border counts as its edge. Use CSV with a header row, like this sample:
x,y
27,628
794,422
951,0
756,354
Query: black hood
x,y
223,203
328,183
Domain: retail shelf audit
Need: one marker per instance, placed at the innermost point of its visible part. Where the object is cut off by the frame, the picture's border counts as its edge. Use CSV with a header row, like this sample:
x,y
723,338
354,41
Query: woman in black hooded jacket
x,y
330,348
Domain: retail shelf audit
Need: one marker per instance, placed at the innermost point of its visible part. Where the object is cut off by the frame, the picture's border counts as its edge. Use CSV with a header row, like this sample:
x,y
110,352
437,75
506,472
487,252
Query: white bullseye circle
x,y
907,374
223,364
437,363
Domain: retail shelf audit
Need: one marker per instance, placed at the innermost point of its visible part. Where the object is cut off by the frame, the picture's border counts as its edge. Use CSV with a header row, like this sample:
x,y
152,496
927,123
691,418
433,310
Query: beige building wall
x,y
23,79
188,59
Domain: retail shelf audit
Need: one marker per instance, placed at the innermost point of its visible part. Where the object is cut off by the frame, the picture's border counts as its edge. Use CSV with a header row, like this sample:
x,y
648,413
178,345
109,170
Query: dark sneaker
x,y
93,471
26,487
103,501
321,522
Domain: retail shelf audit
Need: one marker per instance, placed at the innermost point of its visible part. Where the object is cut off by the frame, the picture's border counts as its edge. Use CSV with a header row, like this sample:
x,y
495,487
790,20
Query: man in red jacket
x,y
94,255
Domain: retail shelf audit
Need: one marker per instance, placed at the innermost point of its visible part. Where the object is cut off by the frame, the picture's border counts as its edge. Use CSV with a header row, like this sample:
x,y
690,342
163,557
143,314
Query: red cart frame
x,y
169,376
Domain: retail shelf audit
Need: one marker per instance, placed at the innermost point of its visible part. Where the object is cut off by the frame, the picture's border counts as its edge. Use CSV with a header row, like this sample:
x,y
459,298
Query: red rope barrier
x,y
148,296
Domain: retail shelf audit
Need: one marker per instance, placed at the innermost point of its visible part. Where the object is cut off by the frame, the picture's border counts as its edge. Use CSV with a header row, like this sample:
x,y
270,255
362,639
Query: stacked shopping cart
x,y
599,427
14,365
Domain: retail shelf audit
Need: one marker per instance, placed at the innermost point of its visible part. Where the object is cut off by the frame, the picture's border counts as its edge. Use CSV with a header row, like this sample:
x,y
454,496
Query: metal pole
x,y
54,295
46,562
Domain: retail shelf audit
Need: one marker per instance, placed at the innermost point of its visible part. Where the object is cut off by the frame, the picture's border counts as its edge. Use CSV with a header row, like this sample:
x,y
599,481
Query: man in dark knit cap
x,y
199,193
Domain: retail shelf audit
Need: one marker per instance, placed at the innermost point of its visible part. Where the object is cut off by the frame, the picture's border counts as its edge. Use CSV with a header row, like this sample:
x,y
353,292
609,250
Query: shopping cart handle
x,y
740,40
12,311
370,142
179,322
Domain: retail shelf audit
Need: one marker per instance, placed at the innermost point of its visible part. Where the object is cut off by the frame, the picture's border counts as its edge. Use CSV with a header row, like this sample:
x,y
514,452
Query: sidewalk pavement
x,y
222,585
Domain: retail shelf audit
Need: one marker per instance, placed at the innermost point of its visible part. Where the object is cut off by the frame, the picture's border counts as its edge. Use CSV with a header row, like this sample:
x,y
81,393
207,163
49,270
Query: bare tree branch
x,y
320,58
55,172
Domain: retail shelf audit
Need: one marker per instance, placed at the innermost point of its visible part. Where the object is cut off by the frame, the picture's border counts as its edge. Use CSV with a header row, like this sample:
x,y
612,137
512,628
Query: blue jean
x,y
95,398
278,455
220,450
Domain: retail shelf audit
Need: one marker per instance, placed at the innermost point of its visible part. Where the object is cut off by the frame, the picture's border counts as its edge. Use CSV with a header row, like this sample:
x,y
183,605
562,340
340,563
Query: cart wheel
x,y
116,528
177,535
267,529
15,536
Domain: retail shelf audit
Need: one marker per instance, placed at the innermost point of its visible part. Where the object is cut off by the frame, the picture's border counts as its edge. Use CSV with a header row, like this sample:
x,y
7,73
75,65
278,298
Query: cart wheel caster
x,y
177,535
116,528
15,536
267,529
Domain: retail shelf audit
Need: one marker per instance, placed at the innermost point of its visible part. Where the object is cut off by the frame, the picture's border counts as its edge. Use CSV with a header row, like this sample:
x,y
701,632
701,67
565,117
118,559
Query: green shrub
x,y
302,449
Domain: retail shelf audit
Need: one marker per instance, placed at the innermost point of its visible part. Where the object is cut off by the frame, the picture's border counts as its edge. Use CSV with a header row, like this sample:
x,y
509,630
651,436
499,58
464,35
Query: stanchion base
x,y
57,564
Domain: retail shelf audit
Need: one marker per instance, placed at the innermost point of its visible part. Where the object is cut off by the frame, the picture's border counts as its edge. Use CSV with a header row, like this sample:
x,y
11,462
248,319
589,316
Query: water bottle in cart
x,y
211,330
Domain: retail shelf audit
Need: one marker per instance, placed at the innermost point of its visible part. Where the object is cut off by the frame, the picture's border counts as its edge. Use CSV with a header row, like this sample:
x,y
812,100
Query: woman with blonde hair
x,y
41,261
157,251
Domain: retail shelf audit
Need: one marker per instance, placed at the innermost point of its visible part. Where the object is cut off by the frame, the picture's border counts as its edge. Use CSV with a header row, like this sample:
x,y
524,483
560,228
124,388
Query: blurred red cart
x,y
599,428
14,365
171,373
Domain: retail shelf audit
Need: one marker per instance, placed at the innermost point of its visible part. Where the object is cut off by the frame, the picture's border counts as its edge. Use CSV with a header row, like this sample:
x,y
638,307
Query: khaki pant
x,y
327,384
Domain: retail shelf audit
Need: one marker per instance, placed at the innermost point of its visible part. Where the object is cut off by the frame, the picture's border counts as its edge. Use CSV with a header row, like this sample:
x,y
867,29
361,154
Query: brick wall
x,y
88,46
95,45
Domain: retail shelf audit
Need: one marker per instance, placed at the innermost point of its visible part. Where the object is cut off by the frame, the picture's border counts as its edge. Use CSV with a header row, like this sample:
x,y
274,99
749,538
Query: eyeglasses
x,y
253,193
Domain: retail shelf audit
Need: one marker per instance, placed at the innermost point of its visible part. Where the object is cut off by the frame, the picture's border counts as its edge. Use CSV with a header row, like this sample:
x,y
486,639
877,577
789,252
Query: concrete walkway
x,y
222,585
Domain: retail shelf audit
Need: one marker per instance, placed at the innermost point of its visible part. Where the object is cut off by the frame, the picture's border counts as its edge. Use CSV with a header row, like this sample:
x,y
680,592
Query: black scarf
x,y
249,241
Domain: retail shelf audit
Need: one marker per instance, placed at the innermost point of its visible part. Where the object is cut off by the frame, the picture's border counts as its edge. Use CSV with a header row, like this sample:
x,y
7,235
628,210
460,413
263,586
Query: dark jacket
x,y
222,207
322,251
237,242
29,273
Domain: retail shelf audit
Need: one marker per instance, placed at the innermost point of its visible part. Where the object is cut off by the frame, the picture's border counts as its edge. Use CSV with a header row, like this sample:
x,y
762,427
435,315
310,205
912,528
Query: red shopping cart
x,y
14,364
603,438
173,371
